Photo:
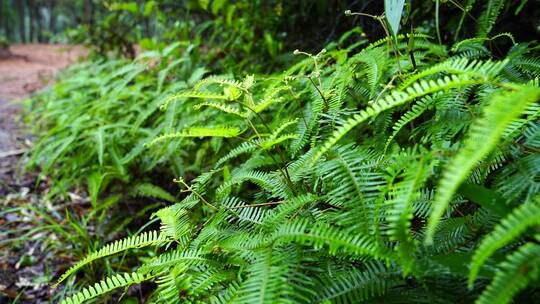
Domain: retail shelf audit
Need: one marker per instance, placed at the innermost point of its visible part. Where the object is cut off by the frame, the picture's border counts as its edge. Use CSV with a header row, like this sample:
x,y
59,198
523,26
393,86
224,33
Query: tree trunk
x,y
31,19
7,21
52,19
38,21
3,16
22,27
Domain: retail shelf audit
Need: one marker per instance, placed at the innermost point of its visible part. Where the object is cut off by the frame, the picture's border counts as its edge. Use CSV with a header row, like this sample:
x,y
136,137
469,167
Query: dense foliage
x,y
402,170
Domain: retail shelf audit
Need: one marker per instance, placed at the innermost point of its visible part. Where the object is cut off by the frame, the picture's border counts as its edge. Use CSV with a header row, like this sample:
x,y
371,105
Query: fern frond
x,y
229,296
292,205
417,109
355,286
529,65
457,46
267,279
245,147
396,38
220,80
270,98
502,110
151,190
400,214
174,219
282,127
221,107
264,180
337,241
515,273
170,284
106,285
475,68
511,227
172,258
394,99
217,131
375,60
191,94
274,141
352,177
489,16
150,238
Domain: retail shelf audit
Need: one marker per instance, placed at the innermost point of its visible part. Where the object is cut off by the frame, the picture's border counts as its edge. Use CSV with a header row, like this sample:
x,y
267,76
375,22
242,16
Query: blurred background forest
x,y
238,28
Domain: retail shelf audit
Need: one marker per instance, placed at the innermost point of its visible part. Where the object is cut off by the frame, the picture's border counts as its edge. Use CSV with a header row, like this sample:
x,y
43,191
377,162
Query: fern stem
x,y
258,205
326,106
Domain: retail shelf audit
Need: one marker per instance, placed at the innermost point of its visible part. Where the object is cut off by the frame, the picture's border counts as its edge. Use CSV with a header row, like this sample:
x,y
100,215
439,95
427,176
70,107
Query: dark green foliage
x,y
397,171
322,195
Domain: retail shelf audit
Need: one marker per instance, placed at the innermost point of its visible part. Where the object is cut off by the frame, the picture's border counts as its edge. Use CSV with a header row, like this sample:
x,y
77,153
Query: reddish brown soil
x,y
31,66
28,68
24,70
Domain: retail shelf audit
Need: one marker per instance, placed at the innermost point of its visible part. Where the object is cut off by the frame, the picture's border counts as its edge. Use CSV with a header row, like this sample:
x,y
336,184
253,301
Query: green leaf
x,y
128,6
393,10
99,145
199,132
151,190
486,198
217,5
498,115
204,4
94,181
148,7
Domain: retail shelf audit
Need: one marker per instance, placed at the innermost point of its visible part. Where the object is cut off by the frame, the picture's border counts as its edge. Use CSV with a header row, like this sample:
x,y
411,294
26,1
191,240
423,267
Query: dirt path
x,y
24,264
29,68
32,66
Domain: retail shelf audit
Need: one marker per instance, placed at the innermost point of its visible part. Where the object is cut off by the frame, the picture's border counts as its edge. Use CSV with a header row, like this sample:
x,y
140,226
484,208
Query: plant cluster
x,y
403,170
101,117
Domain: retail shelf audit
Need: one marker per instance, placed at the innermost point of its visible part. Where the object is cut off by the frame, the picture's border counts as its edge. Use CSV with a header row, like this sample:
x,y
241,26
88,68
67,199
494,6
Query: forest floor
x,y
25,264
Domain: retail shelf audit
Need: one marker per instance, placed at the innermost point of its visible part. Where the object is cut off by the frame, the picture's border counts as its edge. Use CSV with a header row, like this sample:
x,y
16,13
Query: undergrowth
x,y
399,171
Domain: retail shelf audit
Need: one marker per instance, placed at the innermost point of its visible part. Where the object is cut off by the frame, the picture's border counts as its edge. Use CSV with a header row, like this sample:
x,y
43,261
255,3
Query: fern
x,y
509,229
198,132
165,261
351,286
491,11
141,240
516,272
151,190
336,240
191,94
266,281
416,110
487,130
222,107
396,98
402,196
107,285
319,183
481,69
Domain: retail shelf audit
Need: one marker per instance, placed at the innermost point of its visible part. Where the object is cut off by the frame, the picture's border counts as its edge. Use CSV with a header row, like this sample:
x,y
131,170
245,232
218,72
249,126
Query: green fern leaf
x,y
151,190
510,228
336,241
394,99
515,273
502,110
217,131
417,109
222,107
191,94
489,15
151,238
106,285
